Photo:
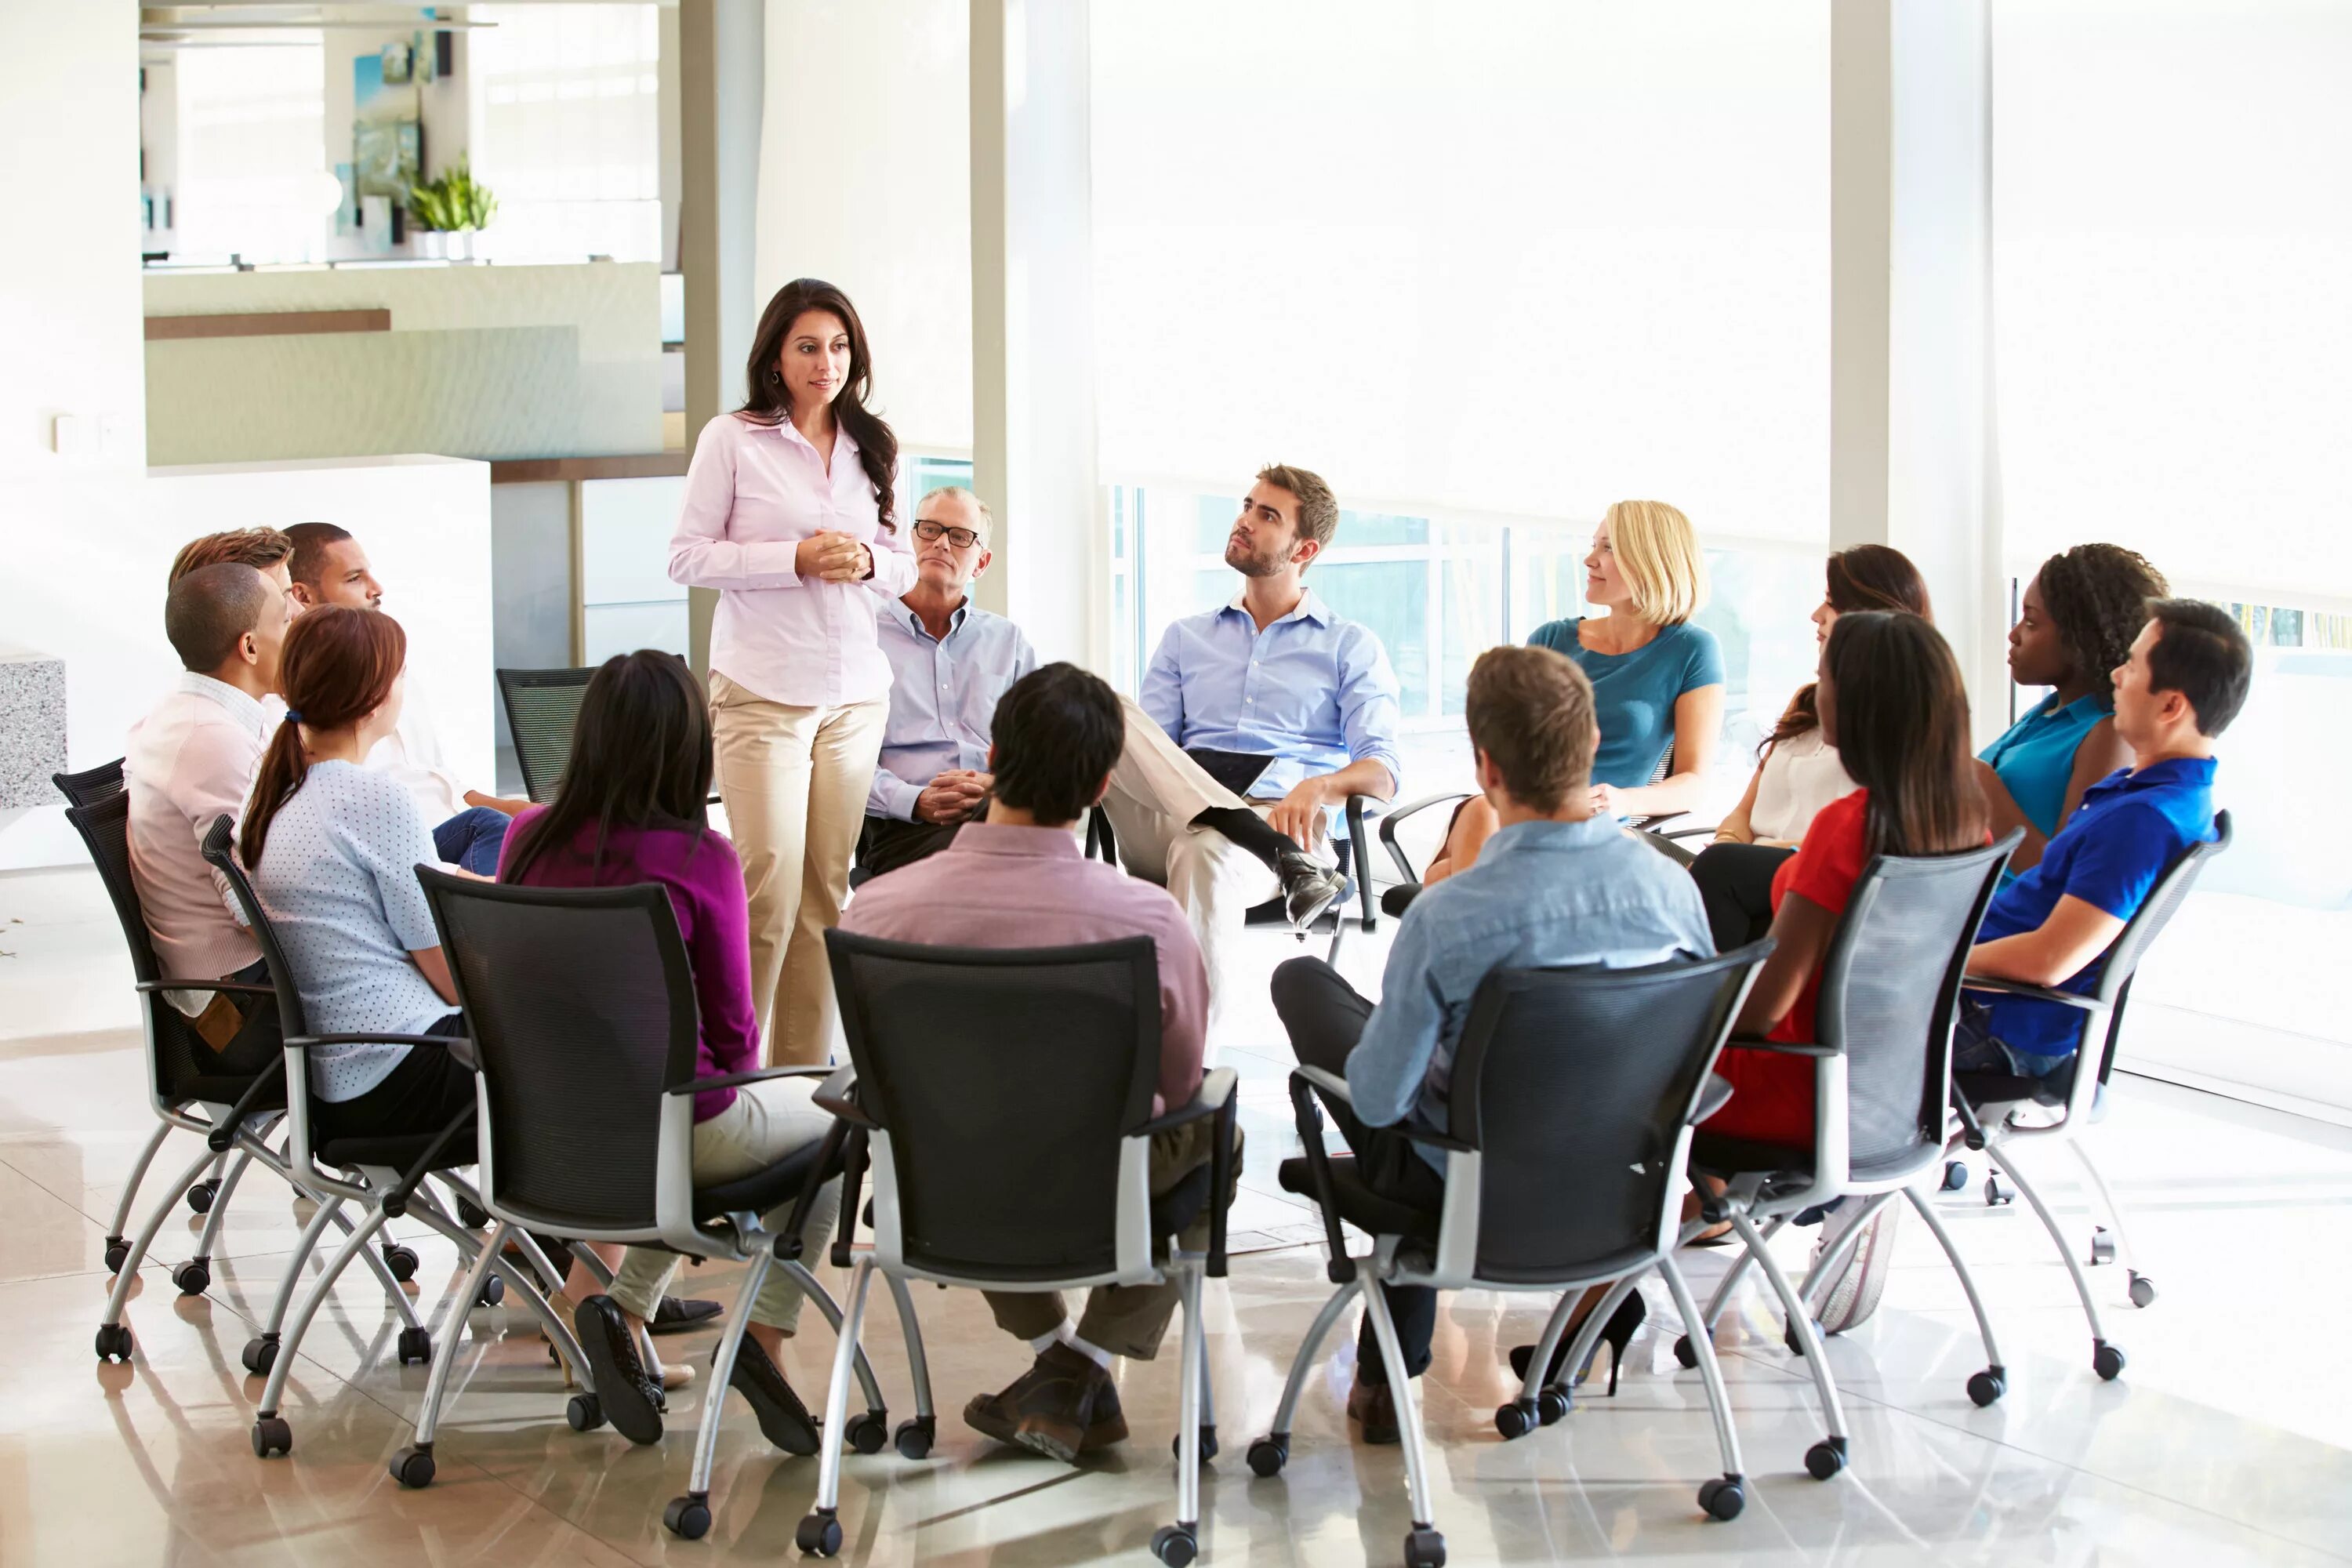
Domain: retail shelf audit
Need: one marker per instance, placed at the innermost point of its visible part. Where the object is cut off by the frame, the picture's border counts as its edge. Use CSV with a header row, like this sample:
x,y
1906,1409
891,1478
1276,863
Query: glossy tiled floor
x,y
2229,1440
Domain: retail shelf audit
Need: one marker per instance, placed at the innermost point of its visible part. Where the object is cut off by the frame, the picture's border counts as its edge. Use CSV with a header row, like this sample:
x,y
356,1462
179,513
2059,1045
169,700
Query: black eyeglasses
x,y
961,537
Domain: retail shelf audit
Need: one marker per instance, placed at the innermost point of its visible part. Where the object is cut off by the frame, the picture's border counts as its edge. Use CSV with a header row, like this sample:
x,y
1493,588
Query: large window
x,y
252,176
567,130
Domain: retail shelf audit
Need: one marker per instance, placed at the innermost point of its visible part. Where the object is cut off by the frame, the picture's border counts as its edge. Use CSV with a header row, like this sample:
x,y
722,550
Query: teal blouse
x,y
2036,757
1634,693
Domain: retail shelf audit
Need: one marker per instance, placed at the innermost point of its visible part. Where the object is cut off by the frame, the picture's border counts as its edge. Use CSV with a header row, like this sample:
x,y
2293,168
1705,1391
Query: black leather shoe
x,y
678,1315
632,1401
782,1417
1063,1406
1308,887
1372,1406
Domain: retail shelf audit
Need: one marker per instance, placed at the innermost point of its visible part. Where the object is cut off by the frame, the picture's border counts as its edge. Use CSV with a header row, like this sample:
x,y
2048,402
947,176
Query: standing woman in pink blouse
x,y
790,514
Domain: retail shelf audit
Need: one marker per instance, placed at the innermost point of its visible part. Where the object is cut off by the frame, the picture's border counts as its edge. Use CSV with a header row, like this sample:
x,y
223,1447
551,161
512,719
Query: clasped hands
x,y
831,556
955,796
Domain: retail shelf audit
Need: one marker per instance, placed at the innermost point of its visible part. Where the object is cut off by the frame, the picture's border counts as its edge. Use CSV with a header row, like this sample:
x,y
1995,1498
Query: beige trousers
x,y
795,783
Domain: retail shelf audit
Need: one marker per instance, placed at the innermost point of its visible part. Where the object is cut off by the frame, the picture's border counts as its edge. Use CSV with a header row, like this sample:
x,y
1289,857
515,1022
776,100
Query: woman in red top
x,y
1891,701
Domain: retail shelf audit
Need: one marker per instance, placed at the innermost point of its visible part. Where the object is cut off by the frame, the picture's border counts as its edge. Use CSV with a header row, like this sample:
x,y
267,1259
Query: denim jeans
x,y
473,839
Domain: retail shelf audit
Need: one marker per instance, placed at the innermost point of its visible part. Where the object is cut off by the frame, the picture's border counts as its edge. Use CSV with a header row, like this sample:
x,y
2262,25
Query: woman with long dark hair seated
x,y
630,810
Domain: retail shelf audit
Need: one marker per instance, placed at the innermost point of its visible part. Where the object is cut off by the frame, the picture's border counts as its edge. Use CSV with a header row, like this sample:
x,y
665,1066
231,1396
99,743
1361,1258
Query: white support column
x,y
722,81
1033,322
1910,255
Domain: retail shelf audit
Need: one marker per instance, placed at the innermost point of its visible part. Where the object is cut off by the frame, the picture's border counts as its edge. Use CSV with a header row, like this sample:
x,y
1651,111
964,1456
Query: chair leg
x,y
1828,1456
1424,1534
918,1367
261,1350
1723,1499
722,1374
412,1466
876,1407
2106,1360
1191,1373
819,1534
1301,1365
270,1432
1732,1275
519,1278
113,1340
116,1247
1587,1338
2123,1252
383,1272
1989,1385
195,1275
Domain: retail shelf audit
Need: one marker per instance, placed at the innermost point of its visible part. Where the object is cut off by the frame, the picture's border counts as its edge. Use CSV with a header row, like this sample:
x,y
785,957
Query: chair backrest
x,y
1890,988
543,709
581,1006
1577,1087
1005,1080
90,785
174,1053
2155,912
220,850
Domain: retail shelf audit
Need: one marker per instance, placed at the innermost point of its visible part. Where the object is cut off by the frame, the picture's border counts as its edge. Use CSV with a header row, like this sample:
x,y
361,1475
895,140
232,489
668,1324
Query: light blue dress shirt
x,y
943,696
1541,895
1313,691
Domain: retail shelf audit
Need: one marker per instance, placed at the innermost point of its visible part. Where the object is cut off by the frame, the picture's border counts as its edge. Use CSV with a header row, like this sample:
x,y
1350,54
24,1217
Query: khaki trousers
x,y
1130,1320
794,781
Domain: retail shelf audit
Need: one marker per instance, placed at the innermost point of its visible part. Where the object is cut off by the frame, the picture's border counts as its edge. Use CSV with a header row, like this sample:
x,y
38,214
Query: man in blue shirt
x,y
2185,680
949,662
1272,674
1556,885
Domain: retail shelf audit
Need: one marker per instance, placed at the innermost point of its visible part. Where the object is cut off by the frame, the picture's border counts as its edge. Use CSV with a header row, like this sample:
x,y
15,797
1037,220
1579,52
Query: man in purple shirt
x,y
1018,878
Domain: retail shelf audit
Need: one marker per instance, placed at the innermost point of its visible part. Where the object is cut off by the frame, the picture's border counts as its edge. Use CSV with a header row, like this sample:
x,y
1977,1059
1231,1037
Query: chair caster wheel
x,y
402,1261
1796,1346
1423,1548
1552,1406
1268,1455
1208,1445
1175,1544
1998,1192
1825,1458
1986,1386
271,1435
1723,1498
494,1291
819,1534
2103,1247
469,1216
194,1278
2143,1290
869,1433
1515,1419
114,1343
1955,1175
118,1253
585,1413
1685,1353
2107,1361
687,1516
201,1195
913,1438
414,1347
260,1354
413,1468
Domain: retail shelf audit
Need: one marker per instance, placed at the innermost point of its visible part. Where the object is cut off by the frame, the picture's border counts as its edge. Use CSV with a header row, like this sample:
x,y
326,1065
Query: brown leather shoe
x,y
1373,1406
1064,1406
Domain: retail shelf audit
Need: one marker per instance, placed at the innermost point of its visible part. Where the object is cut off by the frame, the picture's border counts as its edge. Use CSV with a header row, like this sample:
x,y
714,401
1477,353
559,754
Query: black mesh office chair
x,y
1356,858
1006,1098
1571,1105
543,709
385,1175
2000,1110
91,784
1882,1087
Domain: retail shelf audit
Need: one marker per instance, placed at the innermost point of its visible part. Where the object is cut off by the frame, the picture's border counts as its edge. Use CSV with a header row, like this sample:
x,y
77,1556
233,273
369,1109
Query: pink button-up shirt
x,y
189,763
752,493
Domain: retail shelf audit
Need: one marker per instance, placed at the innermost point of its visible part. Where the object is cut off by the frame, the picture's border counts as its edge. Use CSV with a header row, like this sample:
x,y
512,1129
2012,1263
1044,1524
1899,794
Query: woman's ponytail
x,y
338,667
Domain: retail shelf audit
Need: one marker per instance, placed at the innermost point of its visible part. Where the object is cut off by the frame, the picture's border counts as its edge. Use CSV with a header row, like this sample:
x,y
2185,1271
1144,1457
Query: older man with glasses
x,y
949,662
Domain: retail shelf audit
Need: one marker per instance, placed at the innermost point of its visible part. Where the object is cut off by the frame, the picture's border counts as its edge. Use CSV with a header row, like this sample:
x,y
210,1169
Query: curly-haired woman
x,y
2074,625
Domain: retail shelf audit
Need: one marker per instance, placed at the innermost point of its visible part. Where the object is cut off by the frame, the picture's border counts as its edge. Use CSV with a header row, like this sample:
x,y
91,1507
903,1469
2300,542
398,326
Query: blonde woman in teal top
x,y
1658,680
2076,625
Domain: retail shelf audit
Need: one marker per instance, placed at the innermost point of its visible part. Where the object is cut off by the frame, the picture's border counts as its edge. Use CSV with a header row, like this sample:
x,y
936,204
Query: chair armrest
x,y
221,1137
1713,1096
1330,1083
1337,1266
838,1094
2037,993
1689,832
376,1039
1785,1048
854,1151
1644,824
1216,1088
737,1079
235,987
1389,827
787,1242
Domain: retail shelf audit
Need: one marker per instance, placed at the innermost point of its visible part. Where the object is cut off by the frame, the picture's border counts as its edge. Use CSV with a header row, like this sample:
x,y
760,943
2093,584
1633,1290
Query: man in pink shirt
x,y
189,762
1019,879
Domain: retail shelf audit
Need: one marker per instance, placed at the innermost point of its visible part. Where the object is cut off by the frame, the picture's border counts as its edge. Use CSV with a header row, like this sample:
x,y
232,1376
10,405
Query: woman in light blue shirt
x,y
1657,680
2075,624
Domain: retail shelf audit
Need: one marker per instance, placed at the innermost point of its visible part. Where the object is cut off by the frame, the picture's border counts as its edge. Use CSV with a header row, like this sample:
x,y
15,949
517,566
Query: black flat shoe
x,y
678,1315
784,1419
632,1401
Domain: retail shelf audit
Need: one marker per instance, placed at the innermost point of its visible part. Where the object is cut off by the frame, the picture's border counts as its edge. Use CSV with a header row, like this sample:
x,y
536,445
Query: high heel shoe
x,y
1624,1323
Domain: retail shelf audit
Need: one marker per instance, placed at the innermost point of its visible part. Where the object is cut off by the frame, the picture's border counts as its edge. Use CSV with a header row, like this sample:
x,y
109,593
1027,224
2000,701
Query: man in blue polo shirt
x,y
2185,680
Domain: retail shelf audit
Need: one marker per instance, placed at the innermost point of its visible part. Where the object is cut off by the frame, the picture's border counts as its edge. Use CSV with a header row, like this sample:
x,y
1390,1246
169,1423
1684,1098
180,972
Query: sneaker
x,y
1309,888
1063,1406
1854,1295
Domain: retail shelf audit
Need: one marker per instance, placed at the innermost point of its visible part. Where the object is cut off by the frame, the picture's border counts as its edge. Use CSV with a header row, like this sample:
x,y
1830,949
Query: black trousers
x,y
423,1093
1736,882
884,844
1325,1017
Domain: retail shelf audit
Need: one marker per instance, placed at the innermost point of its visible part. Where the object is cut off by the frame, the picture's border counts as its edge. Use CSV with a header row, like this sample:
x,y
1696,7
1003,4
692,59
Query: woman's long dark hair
x,y
640,758
2097,596
1903,733
1866,577
337,668
764,399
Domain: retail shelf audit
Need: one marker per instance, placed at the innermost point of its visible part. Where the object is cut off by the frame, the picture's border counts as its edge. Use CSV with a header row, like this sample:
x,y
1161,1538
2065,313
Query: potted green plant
x,y
450,209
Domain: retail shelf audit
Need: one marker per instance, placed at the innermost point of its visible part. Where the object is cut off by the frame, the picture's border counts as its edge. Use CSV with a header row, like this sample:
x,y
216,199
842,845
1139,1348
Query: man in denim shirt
x,y
1555,886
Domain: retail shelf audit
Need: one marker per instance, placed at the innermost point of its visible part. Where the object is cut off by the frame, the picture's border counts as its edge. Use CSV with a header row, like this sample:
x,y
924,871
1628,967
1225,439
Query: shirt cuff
x,y
897,797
